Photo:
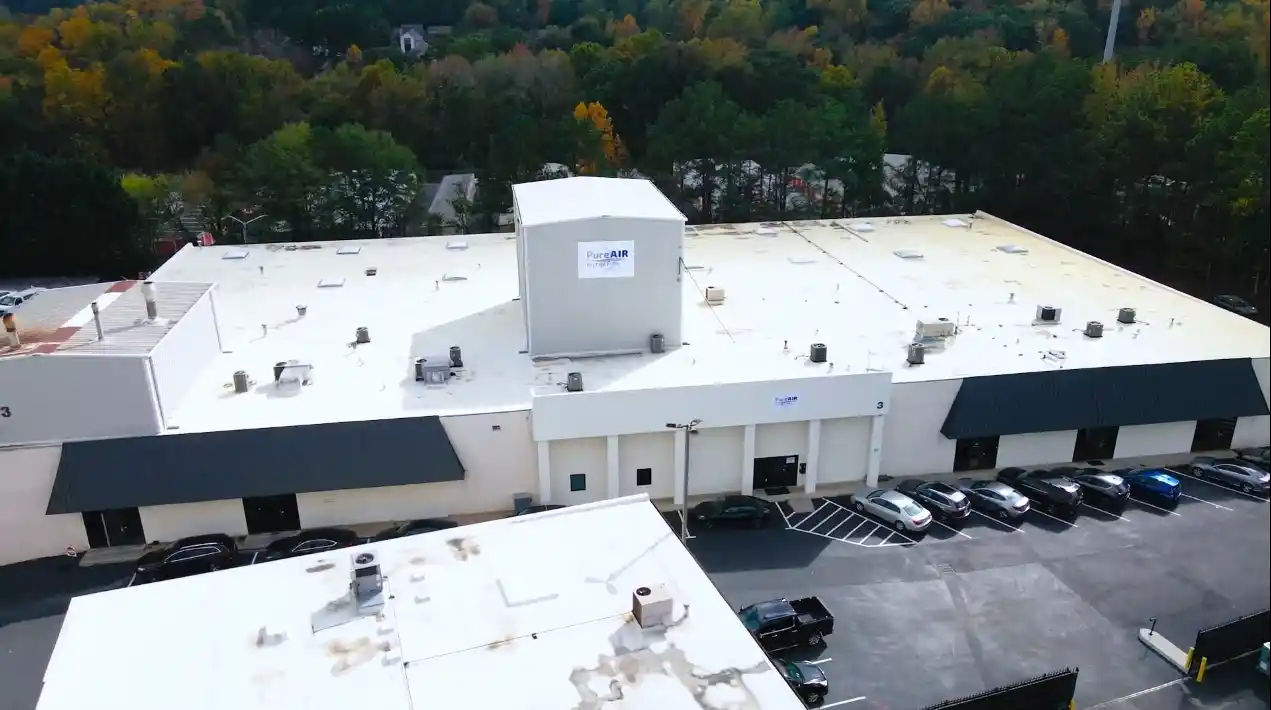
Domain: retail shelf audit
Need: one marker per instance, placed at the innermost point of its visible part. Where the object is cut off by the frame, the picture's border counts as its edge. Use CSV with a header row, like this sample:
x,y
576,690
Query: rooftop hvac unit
x,y
574,382
1048,314
432,370
935,329
367,582
917,354
714,295
1094,329
1127,316
652,606
294,373
818,352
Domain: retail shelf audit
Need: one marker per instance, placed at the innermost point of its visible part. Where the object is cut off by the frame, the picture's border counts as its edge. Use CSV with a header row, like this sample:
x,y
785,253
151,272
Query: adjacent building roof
x,y
525,612
224,465
575,198
1063,400
858,286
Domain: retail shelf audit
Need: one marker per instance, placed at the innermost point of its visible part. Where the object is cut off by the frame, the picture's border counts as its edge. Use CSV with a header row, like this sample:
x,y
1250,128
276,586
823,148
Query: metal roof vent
x,y
1127,316
574,382
336,282
457,245
861,227
766,232
800,260
714,295
1047,315
652,606
1094,329
450,278
367,582
917,354
235,254
908,254
351,249
1011,249
954,222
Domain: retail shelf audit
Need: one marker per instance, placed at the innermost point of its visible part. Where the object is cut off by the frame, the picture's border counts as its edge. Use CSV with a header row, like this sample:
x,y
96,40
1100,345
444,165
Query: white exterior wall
x,y
782,439
172,522
588,456
178,360
1256,431
912,442
1040,449
715,460
1154,439
655,451
844,450
26,480
60,398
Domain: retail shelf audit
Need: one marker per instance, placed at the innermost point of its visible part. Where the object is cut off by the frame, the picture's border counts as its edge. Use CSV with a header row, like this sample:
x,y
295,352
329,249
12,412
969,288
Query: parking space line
x,y
858,527
950,527
1153,507
688,535
852,512
1003,523
254,556
132,579
842,702
1215,484
784,516
836,527
884,542
814,512
1202,500
1105,512
823,522
819,661
1047,515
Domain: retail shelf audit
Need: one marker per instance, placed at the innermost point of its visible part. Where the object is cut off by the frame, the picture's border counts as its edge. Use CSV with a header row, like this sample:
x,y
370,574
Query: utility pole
x,y
689,429
253,219
1111,42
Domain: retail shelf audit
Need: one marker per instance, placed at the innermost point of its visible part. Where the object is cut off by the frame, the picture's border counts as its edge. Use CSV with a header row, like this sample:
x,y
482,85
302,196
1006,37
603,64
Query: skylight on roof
x,y
861,227
908,254
455,276
458,245
1012,249
331,282
766,232
801,259
351,249
235,254
954,222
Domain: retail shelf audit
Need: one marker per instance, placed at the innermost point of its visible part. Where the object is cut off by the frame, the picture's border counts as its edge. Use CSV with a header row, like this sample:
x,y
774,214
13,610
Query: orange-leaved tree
x,y
598,117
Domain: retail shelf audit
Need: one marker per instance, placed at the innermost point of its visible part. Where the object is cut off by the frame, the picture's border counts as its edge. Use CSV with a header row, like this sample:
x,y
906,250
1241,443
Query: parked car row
x,y
784,624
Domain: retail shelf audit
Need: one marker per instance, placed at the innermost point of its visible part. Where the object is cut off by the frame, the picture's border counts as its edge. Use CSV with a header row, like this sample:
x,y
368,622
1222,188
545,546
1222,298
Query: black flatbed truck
x,y
780,624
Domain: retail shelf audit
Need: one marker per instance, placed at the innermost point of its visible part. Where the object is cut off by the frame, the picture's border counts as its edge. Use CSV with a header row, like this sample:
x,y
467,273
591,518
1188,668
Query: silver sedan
x,y
894,507
1233,472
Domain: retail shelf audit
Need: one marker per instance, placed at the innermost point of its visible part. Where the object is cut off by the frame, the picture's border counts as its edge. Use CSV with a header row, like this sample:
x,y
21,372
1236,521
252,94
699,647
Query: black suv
x,y
1052,492
310,542
731,509
414,527
187,556
943,500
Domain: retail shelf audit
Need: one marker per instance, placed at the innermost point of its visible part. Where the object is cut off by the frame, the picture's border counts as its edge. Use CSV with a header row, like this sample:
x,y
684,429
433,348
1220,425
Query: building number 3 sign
x,y
5,412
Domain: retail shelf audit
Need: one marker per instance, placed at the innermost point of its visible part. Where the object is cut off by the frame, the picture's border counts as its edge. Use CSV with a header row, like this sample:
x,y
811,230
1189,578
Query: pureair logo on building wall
x,y
606,260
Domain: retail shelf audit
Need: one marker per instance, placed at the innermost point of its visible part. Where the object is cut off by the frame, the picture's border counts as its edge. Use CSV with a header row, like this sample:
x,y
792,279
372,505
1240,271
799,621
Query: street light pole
x,y
253,219
1109,44
689,429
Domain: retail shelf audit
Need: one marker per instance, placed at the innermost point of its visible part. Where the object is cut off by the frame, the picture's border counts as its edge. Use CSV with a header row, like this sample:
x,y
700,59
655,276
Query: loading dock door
x,y
113,528
270,514
776,472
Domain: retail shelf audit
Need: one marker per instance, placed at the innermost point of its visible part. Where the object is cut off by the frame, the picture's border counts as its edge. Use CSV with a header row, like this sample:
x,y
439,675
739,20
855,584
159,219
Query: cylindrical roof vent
x,y
818,352
278,368
456,357
917,354
574,382
1094,329
241,383
362,336
657,344
419,368
1126,316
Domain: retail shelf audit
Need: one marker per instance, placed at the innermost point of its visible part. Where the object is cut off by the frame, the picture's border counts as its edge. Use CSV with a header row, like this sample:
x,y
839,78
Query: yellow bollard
x,y
1200,674
1072,705
1188,664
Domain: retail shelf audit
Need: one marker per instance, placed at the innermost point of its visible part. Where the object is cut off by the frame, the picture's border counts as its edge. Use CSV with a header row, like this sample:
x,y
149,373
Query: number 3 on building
x,y
5,412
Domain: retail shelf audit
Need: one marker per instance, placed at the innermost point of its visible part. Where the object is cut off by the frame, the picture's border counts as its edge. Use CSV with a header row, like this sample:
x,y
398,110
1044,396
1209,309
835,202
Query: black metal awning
x,y
1060,400
224,465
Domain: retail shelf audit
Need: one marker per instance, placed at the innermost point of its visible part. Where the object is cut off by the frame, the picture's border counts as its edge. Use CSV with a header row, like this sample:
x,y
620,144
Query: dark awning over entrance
x,y
223,465
1060,400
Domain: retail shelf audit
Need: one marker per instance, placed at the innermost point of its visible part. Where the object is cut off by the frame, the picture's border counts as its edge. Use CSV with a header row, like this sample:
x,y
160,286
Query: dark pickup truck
x,y
780,624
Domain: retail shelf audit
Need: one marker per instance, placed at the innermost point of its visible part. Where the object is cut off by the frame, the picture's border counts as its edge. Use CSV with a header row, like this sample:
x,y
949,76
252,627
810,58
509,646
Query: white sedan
x,y
895,507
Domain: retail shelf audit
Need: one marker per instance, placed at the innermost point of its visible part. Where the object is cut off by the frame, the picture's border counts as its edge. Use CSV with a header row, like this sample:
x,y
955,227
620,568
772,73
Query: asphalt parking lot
x,y
923,618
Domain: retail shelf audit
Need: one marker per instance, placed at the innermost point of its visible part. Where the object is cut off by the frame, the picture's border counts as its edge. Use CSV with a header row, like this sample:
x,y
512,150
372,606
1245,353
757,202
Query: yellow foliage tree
x,y
354,55
928,11
33,40
624,28
1145,23
597,116
1059,42
76,96
75,33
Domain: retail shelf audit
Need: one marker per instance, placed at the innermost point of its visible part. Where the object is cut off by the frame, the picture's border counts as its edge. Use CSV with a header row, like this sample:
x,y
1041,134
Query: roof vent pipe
x,y
1127,316
97,320
456,357
149,293
241,383
11,329
362,336
657,344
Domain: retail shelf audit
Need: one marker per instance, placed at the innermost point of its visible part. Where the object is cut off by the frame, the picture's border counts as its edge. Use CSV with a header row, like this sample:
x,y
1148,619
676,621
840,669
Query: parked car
x,y
310,542
414,527
994,498
1053,492
943,500
893,507
1233,472
539,509
187,556
805,679
1259,456
1104,489
746,510
1235,304
780,623
12,299
1152,483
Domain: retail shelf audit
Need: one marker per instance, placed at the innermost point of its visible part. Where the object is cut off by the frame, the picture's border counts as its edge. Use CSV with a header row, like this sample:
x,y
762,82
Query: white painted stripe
x,y
1003,523
823,522
1217,485
85,315
842,702
1105,512
814,512
1202,500
858,527
1046,515
783,515
950,527
836,527
132,579
884,542
1153,507
819,661
254,556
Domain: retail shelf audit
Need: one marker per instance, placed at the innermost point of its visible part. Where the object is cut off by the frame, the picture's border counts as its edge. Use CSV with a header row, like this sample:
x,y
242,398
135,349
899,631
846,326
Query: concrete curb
x,y
1172,654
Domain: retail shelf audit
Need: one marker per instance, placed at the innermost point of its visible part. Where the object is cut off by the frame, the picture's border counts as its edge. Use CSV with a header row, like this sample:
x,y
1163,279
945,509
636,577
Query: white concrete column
x,y
748,461
875,449
544,472
613,476
814,456
680,437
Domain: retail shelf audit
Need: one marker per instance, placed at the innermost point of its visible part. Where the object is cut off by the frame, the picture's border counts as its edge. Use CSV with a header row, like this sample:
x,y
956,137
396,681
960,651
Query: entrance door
x,y
776,472
113,528
269,514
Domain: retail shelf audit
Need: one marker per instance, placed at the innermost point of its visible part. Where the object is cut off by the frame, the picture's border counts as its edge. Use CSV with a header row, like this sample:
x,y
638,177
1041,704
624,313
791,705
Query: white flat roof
x,y
530,613
787,285
575,198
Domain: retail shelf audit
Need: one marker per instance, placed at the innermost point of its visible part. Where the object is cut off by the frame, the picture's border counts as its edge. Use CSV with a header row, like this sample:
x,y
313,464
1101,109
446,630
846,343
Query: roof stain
x,y
464,548
320,567
418,560
351,654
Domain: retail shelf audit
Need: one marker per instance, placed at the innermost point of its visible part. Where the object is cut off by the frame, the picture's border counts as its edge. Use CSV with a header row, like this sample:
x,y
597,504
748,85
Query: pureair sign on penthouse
x,y
606,260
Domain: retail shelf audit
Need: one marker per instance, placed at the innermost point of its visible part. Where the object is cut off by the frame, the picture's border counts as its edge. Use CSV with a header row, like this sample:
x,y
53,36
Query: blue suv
x,y
1153,482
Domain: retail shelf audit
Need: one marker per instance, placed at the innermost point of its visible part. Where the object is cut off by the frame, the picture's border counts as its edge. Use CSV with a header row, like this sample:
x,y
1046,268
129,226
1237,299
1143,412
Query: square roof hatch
x,y
350,249
333,282
954,222
861,227
1012,249
235,254
908,254
456,245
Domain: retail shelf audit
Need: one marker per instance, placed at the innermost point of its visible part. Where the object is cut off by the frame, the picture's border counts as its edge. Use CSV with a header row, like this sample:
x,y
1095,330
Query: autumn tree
x,y
596,115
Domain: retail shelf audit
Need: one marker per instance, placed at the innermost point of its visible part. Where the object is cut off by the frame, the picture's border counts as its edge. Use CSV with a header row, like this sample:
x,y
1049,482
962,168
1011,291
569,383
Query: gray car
x,y
897,509
994,498
1234,472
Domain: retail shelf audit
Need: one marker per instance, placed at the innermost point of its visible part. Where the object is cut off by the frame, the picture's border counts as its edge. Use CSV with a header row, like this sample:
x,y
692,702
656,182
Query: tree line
x,y
740,110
